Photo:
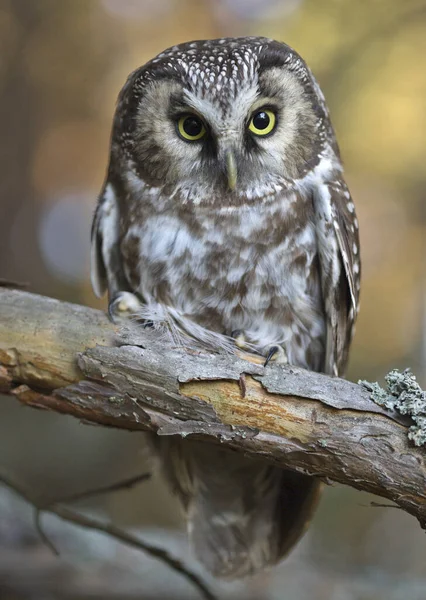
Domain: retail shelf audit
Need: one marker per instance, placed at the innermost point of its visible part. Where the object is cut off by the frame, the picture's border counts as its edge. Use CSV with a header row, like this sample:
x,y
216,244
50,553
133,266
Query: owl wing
x,y
338,249
106,265
97,265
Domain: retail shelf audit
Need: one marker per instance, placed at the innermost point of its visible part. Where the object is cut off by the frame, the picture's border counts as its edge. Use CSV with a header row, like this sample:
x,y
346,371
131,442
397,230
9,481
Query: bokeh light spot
x,y
64,238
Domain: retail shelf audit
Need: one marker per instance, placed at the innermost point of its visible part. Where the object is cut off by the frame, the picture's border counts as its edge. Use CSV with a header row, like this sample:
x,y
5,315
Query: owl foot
x,y
277,355
239,338
123,304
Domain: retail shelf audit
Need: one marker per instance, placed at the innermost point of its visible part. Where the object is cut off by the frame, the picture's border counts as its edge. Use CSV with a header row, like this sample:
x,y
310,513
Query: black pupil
x,y
261,120
192,126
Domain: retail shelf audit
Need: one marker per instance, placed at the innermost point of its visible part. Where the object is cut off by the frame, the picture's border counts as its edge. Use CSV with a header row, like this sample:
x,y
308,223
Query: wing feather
x,y
338,248
98,273
106,268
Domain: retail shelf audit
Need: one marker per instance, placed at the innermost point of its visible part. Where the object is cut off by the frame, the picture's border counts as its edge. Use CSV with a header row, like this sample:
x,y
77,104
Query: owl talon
x,y
276,354
111,313
122,305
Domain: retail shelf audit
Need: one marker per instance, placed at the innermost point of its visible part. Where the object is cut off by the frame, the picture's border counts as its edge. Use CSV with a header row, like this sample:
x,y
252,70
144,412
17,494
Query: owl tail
x,y
242,515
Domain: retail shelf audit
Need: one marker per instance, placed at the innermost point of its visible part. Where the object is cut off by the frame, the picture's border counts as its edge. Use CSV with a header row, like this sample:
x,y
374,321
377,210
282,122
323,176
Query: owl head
x,y
239,118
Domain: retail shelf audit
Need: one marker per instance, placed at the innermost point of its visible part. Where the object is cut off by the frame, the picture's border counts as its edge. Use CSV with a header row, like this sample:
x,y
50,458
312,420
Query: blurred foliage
x,y
62,64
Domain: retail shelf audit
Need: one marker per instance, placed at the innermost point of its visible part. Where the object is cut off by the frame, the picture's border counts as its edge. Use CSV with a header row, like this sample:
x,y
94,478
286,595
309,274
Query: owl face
x,y
237,118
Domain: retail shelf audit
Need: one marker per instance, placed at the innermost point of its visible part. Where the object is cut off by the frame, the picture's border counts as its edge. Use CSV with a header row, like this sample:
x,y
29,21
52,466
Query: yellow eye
x,y
191,128
262,122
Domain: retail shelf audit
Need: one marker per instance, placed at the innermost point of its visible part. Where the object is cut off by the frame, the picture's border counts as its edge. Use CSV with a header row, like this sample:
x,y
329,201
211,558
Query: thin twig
x,y
131,540
380,505
42,534
17,285
118,486
114,487
127,538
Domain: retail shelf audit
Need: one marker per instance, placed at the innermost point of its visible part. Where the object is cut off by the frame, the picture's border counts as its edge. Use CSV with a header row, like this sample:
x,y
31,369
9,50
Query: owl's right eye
x,y
190,128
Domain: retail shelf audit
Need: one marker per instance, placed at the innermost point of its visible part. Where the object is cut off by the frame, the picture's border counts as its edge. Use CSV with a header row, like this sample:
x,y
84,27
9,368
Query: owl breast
x,y
254,269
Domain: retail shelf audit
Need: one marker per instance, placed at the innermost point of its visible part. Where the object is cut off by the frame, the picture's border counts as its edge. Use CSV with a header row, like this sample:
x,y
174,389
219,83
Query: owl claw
x,y
277,354
123,304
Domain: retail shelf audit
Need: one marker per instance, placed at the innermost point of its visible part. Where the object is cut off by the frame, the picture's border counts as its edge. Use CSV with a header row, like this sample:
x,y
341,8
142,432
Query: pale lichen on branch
x,y
403,394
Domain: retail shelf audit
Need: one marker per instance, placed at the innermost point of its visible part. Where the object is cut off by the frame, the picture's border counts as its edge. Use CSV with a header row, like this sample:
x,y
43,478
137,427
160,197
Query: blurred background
x,y
62,64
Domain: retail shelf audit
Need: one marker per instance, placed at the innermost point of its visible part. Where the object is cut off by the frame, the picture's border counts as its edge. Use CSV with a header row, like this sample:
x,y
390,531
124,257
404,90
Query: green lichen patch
x,y
403,394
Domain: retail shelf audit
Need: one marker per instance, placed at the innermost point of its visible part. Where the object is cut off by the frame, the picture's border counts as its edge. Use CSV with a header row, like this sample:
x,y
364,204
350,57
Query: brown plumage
x,y
225,214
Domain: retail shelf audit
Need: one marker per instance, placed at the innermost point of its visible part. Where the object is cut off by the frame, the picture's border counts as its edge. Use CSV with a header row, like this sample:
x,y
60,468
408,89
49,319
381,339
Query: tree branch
x,y
70,359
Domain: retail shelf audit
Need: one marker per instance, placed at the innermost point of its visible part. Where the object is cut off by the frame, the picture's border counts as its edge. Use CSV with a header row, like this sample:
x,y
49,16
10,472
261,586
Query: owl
x,y
226,222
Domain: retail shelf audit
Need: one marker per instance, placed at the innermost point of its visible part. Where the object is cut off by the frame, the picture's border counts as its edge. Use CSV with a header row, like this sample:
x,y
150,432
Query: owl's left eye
x,y
191,128
262,122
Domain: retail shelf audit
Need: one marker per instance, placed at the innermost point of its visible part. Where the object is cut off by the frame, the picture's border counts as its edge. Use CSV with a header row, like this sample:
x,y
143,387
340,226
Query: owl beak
x,y
231,169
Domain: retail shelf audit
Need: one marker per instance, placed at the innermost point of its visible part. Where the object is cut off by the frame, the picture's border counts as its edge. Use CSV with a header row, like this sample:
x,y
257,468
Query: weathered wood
x,y
70,359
